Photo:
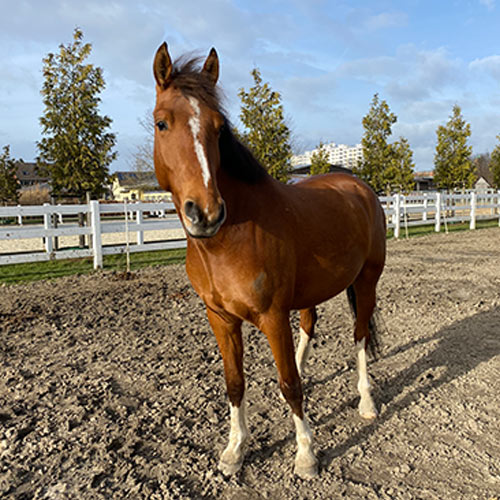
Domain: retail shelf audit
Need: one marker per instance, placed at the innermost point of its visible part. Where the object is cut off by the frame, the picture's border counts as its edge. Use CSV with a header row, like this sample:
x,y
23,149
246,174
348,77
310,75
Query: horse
x,y
258,248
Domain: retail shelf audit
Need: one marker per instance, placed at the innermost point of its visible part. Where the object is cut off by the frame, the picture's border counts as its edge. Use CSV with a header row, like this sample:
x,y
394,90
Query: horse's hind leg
x,y
228,334
363,301
308,318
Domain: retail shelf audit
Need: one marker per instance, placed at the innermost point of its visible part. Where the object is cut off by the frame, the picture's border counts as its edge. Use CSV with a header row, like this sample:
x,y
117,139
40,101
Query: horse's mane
x,y
236,158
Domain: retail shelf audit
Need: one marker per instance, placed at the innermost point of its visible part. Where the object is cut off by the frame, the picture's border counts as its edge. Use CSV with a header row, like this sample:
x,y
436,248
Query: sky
x,y
326,58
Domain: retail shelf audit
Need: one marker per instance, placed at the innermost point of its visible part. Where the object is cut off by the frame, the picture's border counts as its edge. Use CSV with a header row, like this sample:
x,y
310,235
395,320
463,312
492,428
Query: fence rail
x,y
54,221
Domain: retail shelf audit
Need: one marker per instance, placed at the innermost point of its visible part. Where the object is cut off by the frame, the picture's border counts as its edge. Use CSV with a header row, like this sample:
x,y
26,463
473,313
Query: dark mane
x,y
236,159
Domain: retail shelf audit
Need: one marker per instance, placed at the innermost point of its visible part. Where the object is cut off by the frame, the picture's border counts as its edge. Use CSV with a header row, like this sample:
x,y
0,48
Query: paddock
x,y
114,388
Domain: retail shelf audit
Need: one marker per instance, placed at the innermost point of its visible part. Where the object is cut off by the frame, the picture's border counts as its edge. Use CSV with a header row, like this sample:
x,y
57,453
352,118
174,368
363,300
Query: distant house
x,y
137,186
484,181
29,177
424,181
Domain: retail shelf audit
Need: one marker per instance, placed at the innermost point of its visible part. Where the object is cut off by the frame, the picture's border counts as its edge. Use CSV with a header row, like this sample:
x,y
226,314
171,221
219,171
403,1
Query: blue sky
x,y
327,58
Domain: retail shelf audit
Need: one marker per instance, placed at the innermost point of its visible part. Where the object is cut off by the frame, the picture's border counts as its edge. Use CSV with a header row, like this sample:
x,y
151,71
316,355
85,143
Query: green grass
x,y
34,271
18,273
415,231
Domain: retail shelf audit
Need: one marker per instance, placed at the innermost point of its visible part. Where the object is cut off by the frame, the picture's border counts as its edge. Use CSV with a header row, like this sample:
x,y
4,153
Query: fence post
x,y
47,223
139,219
95,222
473,205
498,206
437,225
19,217
426,204
397,215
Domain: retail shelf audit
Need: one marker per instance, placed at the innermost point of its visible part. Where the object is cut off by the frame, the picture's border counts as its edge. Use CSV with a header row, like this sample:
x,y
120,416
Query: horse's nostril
x,y
193,212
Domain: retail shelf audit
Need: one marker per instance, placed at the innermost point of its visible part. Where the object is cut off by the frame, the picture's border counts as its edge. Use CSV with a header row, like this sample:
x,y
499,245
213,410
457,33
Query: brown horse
x,y
257,248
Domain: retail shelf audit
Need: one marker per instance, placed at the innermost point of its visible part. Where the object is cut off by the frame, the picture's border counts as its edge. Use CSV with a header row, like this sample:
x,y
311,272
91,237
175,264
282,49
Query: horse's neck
x,y
245,201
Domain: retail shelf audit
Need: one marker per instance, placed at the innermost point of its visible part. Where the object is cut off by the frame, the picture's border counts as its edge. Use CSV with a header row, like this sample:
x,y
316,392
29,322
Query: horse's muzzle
x,y
201,225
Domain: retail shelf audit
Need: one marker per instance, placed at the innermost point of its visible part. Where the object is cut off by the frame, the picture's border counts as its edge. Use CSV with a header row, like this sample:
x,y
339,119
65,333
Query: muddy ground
x,y
113,388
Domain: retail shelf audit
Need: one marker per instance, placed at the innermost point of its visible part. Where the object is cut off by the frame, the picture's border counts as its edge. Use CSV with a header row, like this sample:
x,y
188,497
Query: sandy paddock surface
x,y
114,388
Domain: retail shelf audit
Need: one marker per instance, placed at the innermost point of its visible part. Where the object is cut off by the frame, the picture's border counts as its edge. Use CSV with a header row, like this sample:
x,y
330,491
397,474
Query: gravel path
x,y
114,388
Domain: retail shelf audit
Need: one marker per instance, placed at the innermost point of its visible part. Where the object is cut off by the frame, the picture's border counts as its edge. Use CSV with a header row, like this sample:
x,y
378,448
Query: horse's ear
x,y
211,66
162,66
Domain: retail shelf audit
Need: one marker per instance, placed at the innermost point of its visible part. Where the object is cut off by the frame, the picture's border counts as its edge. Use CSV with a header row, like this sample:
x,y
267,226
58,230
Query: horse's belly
x,y
318,281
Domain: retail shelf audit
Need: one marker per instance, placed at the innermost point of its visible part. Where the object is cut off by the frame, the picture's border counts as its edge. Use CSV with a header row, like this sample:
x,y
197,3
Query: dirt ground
x,y
114,388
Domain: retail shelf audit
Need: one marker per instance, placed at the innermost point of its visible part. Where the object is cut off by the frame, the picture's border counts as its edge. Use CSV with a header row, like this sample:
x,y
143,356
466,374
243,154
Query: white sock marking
x,y
233,454
366,406
302,351
305,460
194,123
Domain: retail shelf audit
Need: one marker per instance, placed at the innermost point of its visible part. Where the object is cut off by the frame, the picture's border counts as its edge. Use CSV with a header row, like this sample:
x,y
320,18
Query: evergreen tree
x,y
9,184
495,165
399,173
319,160
452,161
266,133
76,150
377,152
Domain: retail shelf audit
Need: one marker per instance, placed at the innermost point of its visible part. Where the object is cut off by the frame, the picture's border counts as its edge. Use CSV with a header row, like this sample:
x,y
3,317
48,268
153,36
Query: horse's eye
x,y
162,125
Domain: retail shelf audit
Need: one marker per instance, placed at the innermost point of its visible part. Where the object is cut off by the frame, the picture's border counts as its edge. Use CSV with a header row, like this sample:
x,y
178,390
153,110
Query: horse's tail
x,y
373,325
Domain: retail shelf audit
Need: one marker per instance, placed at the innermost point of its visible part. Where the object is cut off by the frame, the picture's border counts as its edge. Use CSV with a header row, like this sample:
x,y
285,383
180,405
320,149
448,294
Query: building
x,y
424,181
29,177
137,186
338,154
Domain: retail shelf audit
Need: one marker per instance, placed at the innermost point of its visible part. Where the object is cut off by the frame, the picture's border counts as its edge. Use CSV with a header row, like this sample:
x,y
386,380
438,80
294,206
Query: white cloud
x,y
384,20
490,65
489,4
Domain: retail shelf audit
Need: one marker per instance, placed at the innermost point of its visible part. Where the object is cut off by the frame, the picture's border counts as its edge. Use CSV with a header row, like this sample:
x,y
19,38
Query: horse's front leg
x,y
279,334
227,331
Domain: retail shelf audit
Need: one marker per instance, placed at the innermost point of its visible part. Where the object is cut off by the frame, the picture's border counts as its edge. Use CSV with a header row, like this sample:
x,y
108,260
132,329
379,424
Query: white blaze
x,y
194,123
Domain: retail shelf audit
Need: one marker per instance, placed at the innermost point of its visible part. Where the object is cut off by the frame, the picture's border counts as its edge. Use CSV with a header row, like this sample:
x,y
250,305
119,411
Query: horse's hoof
x,y
367,410
369,415
306,471
229,469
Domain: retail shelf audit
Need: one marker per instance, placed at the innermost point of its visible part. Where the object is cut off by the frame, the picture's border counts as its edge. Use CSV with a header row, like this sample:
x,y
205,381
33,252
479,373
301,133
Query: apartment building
x,y
338,154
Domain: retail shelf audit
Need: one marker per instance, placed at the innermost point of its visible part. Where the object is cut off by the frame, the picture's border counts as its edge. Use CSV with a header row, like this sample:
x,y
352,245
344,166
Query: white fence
x,y
60,221
439,209
430,208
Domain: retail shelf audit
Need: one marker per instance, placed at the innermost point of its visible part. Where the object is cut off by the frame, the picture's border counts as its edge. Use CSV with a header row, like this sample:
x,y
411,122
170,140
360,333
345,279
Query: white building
x,y
338,154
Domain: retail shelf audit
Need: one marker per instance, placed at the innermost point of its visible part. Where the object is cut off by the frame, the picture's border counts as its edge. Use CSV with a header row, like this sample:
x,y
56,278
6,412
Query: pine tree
x,y
399,173
9,184
76,150
495,165
266,133
377,152
319,160
452,161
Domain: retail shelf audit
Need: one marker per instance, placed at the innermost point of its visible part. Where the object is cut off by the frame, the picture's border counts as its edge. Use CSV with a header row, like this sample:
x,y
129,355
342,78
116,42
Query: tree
x,y
377,152
319,160
142,157
399,173
77,149
9,184
495,165
266,134
452,161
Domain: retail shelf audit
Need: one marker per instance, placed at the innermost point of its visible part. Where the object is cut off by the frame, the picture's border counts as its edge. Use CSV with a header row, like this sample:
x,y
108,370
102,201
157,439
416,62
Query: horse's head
x,y
186,152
